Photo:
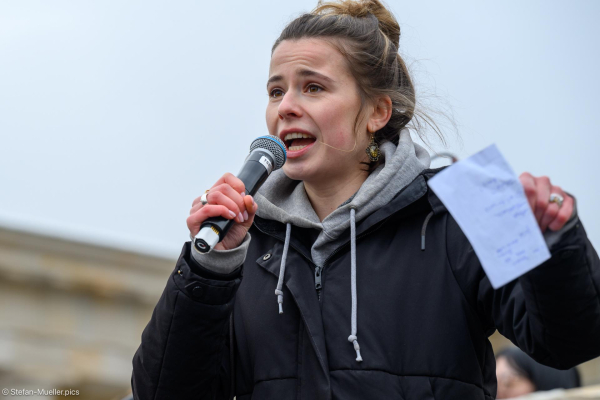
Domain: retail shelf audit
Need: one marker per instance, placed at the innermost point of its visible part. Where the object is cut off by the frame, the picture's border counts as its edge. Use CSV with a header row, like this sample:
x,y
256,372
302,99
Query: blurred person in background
x,y
518,375
345,277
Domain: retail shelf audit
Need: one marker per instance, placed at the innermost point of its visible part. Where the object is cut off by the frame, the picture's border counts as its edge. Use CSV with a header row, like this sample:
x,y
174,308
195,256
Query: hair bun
x,y
363,9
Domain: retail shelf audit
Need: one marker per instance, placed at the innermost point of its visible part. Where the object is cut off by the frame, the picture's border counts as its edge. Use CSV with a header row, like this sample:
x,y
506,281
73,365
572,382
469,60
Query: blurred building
x,y
72,314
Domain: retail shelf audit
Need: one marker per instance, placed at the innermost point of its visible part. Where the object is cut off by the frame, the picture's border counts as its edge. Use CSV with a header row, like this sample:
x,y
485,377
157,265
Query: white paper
x,y
487,200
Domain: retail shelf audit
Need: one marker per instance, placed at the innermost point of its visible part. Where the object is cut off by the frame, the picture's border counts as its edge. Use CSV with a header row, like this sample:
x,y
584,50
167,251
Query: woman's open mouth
x,y
298,141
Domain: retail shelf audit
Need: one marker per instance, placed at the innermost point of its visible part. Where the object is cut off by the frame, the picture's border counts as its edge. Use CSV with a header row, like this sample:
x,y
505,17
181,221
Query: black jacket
x,y
424,315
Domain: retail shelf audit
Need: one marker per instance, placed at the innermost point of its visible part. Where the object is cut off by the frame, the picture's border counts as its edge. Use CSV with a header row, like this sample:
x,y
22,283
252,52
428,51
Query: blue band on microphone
x,y
275,141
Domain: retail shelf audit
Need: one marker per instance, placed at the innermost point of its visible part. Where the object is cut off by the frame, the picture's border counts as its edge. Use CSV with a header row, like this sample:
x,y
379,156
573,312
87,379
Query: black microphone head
x,y
272,144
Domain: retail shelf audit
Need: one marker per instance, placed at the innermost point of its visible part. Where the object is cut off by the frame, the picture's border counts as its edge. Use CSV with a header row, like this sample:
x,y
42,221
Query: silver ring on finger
x,y
556,198
204,198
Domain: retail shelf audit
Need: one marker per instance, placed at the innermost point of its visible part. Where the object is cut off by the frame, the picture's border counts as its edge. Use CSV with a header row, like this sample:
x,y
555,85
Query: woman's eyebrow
x,y
304,73
274,78
308,72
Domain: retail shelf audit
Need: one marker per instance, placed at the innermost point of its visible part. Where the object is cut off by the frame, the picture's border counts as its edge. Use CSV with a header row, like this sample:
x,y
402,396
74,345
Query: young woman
x,y
345,277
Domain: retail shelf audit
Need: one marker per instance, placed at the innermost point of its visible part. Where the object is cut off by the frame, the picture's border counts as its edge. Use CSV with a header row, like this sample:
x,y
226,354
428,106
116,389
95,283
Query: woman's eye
x,y
314,89
275,93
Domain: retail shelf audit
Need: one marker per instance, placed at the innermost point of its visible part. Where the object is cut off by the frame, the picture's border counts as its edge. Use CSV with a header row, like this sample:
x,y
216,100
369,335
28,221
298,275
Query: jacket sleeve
x,y
552,312
184,352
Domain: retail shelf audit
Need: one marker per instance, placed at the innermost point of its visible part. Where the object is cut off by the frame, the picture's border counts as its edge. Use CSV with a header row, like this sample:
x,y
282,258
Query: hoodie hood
x,y
284,200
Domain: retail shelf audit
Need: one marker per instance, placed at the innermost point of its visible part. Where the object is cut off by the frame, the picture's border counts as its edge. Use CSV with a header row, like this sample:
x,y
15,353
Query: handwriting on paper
x,y
487,200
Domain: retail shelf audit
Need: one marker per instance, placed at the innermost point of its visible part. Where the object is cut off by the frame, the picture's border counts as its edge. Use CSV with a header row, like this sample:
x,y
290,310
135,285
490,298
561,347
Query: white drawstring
x,y
286,245
352,338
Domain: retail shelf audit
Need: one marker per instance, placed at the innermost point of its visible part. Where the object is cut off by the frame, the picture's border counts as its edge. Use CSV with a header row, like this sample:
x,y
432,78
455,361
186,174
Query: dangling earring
x,y
373,150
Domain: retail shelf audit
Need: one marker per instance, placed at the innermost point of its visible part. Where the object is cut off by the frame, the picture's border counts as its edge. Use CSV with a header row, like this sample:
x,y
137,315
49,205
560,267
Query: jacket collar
x,y
413,192
435,203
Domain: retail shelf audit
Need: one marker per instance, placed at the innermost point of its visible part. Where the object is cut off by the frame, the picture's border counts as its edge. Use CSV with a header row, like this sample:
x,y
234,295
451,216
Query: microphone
x,y
267,153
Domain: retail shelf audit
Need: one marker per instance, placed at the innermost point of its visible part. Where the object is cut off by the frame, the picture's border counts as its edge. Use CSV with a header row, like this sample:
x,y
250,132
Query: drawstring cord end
x,y
353,339
279,294
423,230
358,357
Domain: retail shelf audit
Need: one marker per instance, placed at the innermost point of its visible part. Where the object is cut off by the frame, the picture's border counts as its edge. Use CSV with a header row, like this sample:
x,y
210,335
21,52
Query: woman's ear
x,y
382,112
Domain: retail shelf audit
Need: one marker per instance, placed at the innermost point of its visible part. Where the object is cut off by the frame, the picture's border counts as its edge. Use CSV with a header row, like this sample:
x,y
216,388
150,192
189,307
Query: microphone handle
x,y
254,173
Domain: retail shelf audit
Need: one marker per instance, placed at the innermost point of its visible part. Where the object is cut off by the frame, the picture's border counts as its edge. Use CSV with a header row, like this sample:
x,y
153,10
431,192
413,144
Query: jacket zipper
x,y
318,282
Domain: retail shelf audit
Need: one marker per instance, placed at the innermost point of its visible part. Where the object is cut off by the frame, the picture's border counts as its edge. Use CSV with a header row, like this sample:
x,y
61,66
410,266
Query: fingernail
x,y
243,194
252,199
245,215
241,217
232,214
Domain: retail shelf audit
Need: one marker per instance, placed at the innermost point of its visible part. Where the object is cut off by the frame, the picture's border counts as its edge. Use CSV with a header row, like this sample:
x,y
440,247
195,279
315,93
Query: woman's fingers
x,y
227,191
249,203
232,194
233,181
552,209
528,183
537,191
210,210
542,200
196,201
227,199
226,196
249,211
251,206
564,213
228,180
548,215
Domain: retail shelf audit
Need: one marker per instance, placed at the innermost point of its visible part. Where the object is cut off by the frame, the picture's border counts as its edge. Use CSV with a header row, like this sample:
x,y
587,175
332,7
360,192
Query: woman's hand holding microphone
x,y
226,198
225,210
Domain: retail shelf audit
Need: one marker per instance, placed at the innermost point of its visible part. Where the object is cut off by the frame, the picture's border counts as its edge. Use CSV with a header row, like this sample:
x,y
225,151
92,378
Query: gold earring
x,y
373,150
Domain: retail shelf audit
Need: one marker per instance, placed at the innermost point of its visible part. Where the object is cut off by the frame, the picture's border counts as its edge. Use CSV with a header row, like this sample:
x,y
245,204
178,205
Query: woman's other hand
x,y
227,199
547,214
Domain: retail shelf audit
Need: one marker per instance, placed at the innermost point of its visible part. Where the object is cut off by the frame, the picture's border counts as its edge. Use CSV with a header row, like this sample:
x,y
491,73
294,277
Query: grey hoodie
x,y
283,199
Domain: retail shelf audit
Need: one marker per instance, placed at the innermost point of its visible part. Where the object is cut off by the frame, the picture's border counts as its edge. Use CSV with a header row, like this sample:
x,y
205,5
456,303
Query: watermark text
x,y
40,392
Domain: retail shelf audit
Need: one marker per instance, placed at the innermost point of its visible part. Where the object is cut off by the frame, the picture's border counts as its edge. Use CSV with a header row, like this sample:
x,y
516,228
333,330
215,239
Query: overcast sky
x,y
115,115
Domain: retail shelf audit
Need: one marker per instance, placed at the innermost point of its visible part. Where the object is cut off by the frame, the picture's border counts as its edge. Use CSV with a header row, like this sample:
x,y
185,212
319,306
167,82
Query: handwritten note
x,y
486,199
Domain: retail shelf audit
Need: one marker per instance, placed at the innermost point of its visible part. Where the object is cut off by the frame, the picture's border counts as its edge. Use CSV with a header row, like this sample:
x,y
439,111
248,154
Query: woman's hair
x,y
368,35
541,376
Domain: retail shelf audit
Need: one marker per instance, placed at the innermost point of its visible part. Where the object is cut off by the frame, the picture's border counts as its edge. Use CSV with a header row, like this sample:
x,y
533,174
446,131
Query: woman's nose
x,y
289,107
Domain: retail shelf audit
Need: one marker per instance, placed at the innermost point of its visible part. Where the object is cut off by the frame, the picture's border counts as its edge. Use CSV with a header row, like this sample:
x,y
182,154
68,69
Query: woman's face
x,y
313,98
510,382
